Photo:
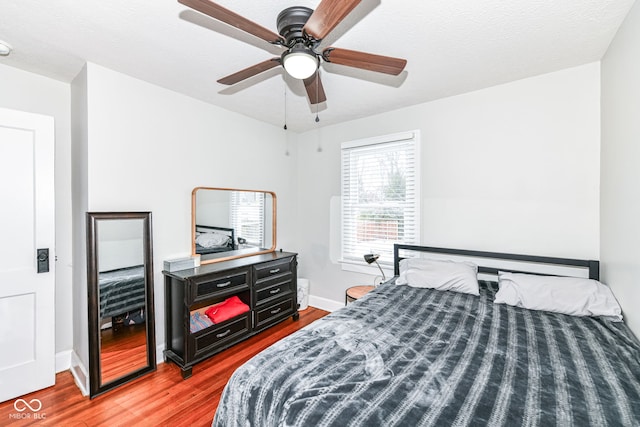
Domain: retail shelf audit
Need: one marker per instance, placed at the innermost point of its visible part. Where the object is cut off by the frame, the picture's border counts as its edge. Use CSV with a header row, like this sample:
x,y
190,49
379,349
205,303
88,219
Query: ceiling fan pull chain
x,y
317,92
319,149
286,134
285,102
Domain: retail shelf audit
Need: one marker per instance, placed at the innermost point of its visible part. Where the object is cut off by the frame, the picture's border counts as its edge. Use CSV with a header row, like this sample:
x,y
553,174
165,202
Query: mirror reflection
x,y
120,298
230,223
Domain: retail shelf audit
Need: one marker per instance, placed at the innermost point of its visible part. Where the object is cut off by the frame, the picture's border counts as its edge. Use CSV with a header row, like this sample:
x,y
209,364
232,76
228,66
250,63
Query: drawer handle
x,y
222,285
274,271
276,311
274,291
223,334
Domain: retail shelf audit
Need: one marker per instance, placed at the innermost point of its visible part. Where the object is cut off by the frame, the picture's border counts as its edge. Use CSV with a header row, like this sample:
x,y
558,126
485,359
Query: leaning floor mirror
x,y
120,292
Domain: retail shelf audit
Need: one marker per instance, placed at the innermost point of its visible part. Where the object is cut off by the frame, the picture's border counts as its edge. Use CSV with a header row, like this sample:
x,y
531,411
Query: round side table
x,y
355,292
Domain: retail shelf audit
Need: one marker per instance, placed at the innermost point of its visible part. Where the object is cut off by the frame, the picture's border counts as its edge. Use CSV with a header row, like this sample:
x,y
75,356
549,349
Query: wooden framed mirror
x,y
120,296
228,223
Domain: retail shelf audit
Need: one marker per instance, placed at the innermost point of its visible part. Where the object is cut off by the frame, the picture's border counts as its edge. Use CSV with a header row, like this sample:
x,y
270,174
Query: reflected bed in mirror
x,y
229,223
120,291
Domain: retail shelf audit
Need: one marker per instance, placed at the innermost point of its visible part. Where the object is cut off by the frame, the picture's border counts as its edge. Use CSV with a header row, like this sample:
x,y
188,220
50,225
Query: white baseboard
x,y
80,375
159,353
324,303
63,361
68,360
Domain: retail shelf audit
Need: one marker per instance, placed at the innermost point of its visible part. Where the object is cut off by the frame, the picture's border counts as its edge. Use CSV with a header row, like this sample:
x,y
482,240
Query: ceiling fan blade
x,y
250,71
327,15
366,61
314,88
228,17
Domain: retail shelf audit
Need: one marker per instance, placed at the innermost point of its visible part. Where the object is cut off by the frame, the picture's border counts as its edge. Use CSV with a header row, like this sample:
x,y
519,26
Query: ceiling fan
x,y
301,30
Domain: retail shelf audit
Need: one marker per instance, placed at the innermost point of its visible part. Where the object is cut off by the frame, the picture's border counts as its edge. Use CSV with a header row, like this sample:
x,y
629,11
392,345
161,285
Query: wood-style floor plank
x,y
161,398
123,351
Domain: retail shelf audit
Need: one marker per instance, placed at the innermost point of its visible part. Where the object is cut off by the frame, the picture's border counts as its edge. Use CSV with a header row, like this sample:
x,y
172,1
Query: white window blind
x,y
247,215
380,197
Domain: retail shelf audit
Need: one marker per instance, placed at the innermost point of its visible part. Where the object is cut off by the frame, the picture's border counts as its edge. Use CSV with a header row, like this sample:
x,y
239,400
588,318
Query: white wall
x,y
620,170
512,168
120,244
79,155
20,90
148,147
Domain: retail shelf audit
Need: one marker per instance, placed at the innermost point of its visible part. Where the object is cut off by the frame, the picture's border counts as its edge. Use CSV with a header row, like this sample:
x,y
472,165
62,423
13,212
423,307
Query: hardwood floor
x,y
122,351
161,398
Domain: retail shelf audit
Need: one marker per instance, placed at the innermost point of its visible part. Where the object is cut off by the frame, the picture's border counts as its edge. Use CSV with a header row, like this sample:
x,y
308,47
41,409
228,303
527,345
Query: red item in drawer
x,y
231,307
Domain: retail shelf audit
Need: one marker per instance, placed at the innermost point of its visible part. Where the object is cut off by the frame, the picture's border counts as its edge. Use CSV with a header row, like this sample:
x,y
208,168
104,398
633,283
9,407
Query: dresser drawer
x,y
218,335
273,313
270,290
271,269
208,286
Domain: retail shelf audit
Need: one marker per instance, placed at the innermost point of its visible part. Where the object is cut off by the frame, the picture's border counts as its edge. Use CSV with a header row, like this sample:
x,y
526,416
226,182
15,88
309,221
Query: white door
x,y
27,312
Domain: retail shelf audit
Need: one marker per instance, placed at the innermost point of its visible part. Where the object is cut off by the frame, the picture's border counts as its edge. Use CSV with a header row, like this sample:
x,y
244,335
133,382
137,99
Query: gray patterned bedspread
x,y
403,356
121,290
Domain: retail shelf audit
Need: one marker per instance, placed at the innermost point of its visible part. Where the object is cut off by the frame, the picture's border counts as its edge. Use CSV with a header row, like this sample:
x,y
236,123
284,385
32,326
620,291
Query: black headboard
x,y
593,267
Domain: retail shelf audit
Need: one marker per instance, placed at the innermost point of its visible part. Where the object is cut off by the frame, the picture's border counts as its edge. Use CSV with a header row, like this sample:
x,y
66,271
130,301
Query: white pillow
x,y
211,240
567,295
442,275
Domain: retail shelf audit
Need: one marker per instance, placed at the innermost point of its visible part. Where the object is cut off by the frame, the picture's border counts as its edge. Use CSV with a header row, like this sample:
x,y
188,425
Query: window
x,y
380,197
247,214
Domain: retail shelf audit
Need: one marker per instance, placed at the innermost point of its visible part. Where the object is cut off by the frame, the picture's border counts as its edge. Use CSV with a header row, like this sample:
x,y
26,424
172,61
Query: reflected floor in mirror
x,y
124,349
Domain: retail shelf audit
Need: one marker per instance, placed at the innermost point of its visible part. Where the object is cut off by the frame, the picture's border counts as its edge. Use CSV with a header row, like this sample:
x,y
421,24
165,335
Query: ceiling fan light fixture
x,y
300,62
5,48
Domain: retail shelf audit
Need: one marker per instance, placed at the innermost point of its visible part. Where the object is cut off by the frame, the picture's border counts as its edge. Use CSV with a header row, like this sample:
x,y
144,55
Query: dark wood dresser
x,y
266,283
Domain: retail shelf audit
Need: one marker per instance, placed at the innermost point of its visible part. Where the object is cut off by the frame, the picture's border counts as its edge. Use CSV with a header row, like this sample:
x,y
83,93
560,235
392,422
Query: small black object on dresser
x,y
266,283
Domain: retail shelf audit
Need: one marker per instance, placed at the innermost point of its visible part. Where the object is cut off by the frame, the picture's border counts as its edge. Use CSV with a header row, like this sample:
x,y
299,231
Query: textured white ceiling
x,y
452,47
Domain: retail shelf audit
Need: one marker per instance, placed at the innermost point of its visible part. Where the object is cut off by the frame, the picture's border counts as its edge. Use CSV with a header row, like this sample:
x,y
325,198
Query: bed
x,y
408,356
211,239
121,291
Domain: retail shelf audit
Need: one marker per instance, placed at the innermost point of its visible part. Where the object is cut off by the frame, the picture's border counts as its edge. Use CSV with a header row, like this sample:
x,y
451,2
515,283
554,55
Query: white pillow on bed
x,y
567,295
212,240
442,275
